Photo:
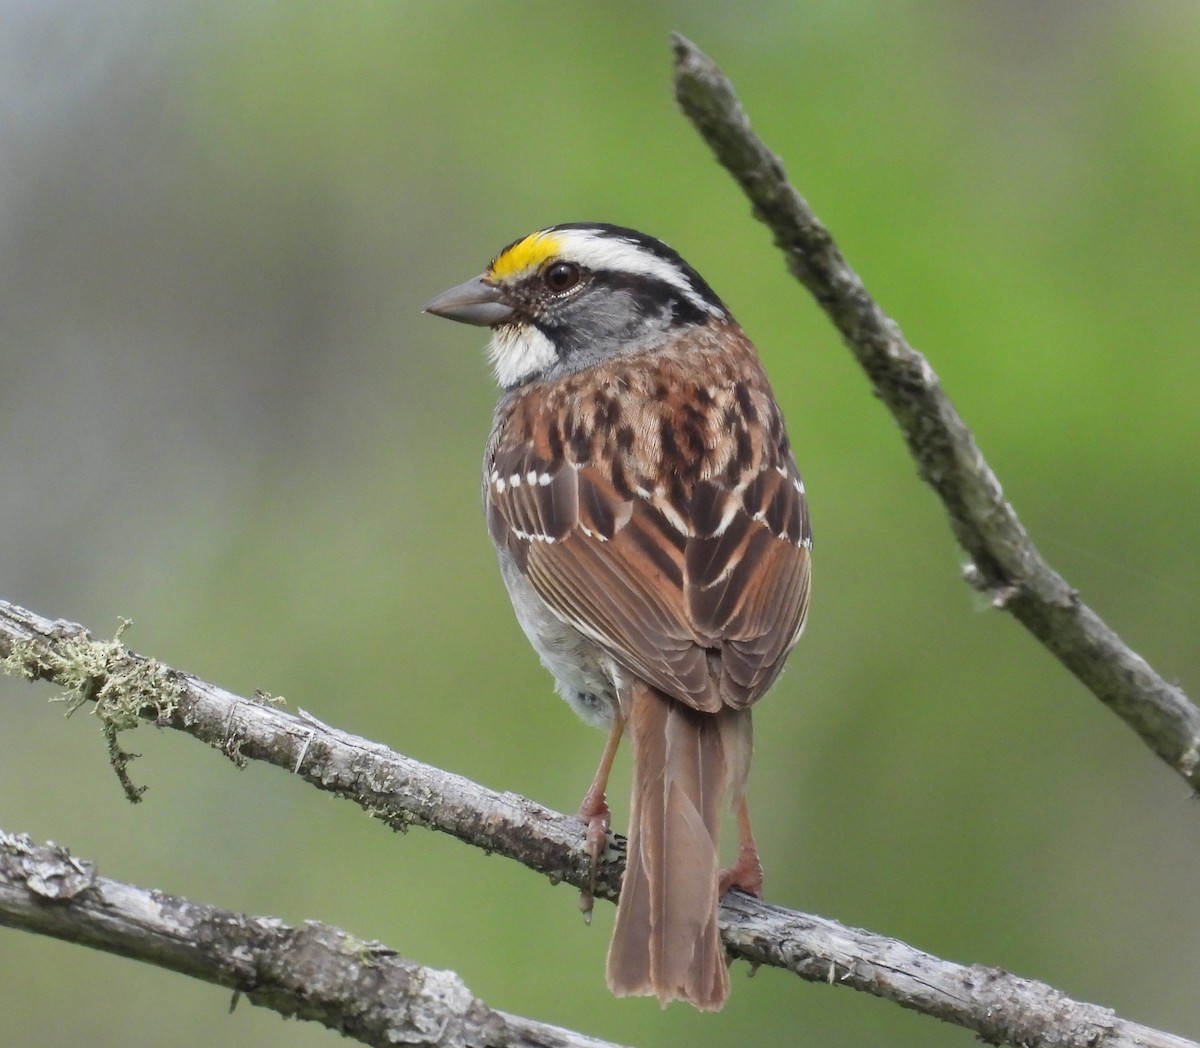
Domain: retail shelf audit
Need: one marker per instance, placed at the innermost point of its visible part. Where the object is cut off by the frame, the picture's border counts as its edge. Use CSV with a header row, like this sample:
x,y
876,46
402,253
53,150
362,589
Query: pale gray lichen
x,y
121,686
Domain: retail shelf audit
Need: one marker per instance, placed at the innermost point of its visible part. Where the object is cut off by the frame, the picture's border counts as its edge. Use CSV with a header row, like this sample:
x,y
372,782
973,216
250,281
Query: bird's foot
x,y
597,818
746,873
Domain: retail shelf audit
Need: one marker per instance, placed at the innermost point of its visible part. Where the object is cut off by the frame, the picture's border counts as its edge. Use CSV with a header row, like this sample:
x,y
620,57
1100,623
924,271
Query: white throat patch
x,y
519,352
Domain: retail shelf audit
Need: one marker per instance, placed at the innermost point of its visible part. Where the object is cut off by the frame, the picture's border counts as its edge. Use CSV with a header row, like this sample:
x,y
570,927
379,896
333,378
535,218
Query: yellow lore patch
x,y
525,254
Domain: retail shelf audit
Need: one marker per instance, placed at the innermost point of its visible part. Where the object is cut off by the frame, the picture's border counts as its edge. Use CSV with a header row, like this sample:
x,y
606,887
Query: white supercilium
x,y
600,252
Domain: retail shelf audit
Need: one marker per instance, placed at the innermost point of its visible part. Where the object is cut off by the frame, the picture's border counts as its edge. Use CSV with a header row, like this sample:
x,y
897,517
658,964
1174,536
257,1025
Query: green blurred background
x,y
223,415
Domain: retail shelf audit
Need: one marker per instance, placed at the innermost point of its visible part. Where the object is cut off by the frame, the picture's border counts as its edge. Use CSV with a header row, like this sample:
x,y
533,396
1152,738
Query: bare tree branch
x,y
1001,1008
393,788
318,972
1004,562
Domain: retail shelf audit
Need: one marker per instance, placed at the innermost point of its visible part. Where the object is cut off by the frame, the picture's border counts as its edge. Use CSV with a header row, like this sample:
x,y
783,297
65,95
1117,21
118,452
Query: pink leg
x,y
747,872
595,814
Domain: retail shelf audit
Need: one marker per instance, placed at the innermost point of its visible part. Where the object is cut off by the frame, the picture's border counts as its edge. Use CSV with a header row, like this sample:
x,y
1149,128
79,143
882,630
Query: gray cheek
x,y
614,321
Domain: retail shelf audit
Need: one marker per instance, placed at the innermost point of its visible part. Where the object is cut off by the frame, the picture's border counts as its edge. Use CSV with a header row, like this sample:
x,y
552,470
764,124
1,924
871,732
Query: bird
x,y
653,533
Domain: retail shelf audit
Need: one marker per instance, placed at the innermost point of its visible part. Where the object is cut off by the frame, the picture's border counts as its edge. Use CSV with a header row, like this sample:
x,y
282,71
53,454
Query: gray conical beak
x,y
476,302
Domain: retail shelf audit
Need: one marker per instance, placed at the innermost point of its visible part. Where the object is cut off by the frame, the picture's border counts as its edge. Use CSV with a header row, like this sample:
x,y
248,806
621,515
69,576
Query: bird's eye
x,y
561,276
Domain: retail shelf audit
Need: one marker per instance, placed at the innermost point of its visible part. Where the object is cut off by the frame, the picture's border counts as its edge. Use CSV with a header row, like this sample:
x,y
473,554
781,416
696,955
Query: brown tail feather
x,y
666,942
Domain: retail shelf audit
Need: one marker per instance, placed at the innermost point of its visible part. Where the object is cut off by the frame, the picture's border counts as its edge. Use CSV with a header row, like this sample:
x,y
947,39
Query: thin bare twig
x,y
1004,561
1001,1008
361,989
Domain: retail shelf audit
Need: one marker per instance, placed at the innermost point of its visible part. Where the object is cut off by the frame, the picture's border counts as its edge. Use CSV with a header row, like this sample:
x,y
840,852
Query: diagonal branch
x,y
317,972
1001,1008
1004,561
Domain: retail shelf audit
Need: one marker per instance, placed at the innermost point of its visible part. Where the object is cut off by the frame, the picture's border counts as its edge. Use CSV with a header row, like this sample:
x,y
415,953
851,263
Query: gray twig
x,y
1001,1008
1005,564
360,988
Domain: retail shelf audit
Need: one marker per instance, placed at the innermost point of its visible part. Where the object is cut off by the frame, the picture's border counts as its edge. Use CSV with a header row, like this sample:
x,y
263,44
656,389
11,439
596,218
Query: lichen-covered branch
x,y
1005,564
1001,1008
126,687
317,972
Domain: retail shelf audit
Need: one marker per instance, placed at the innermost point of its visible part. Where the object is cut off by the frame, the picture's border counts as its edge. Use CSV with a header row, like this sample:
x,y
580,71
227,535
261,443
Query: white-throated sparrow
x,y
653,534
